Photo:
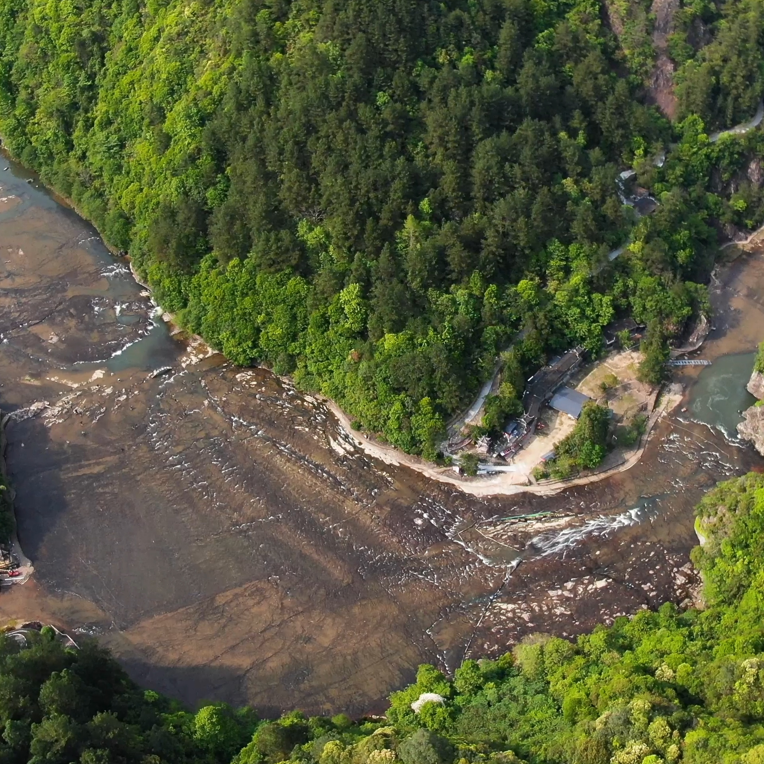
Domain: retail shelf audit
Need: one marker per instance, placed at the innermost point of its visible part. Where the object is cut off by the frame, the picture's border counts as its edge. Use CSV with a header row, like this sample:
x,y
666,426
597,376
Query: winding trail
x,y
743,128
743,242
472,412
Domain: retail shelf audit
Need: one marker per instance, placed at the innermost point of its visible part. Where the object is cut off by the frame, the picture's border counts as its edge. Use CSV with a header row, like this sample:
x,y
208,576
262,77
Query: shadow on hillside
x,y
196,686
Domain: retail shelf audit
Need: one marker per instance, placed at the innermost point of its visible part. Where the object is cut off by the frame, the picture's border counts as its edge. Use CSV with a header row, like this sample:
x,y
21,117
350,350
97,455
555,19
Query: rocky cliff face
x,y
752,426
756,385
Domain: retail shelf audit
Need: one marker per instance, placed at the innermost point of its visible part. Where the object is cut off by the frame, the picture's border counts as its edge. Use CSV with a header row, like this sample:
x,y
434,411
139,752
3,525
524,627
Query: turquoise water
x,y
152,351
719,396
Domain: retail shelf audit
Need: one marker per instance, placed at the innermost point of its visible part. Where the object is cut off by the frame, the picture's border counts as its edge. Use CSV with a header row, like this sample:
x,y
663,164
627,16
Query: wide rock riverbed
x,y
224,536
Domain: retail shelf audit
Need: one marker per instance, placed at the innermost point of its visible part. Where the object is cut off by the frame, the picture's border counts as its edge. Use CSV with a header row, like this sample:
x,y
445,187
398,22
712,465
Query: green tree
x,y
274,741
425,747
64,694
469,463
54,740
655,354
219,732
585,447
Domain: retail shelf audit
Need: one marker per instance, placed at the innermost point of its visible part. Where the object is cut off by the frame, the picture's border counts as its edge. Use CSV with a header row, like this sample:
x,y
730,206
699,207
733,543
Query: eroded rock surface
x,y
752,426
222,533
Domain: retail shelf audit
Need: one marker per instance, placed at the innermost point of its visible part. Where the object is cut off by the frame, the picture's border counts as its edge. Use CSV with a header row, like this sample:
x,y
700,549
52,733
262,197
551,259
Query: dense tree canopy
x,y
585,447
376,195
722,81
61,705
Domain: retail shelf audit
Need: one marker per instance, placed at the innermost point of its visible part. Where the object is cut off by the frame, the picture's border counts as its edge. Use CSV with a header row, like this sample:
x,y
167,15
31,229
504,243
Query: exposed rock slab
x,y
755,385
752,427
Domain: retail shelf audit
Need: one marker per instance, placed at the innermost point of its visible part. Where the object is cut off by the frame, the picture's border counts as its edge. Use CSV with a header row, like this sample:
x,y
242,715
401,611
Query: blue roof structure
x,y
569,401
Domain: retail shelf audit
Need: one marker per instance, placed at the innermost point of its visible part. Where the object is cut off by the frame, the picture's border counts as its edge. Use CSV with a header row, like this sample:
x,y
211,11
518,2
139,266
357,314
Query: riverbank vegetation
x,y
655,353
758,364
375,196
659,688
584,448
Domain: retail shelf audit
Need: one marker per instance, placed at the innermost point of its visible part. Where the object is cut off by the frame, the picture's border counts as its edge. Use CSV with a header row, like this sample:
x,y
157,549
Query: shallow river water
x,y
718,398
226,538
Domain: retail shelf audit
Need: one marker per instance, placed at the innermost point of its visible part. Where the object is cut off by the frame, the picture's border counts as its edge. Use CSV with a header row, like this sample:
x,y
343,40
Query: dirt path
x,y
743,128
752,240
506,483
470,416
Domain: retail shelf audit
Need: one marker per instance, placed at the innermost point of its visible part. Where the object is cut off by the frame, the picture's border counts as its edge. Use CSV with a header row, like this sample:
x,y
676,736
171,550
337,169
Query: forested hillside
x,y
376,195
661,688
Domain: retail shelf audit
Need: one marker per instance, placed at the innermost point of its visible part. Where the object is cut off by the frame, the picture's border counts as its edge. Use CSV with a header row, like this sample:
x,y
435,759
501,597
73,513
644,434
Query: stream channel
x,y
222,534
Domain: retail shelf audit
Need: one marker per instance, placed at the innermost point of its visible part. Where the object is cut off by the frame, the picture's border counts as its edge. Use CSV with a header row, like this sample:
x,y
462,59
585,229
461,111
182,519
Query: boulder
x,y
752,427
755,385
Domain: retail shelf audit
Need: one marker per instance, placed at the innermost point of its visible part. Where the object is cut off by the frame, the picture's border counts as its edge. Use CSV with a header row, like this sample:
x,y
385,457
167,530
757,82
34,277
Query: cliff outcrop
x,y
752,426
755,385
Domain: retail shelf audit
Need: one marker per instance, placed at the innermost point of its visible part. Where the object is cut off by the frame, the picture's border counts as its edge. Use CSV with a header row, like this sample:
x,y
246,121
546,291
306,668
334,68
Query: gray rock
x,y
755,385
752,427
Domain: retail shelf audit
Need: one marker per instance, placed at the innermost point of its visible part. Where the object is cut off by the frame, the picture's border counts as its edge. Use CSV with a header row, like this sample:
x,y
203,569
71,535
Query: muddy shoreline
x,y
495,486
225,536
498,486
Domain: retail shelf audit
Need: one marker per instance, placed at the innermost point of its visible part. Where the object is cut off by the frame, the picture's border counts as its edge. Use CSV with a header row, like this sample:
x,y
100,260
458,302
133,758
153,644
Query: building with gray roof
x,y
569,401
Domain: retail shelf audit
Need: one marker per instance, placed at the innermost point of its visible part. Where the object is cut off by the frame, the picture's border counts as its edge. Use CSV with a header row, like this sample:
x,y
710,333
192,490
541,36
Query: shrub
x,y
469,463
759,362
425,747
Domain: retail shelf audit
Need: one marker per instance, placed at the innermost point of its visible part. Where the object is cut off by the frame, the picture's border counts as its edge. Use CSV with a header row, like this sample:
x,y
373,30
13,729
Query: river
x,y
220,532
